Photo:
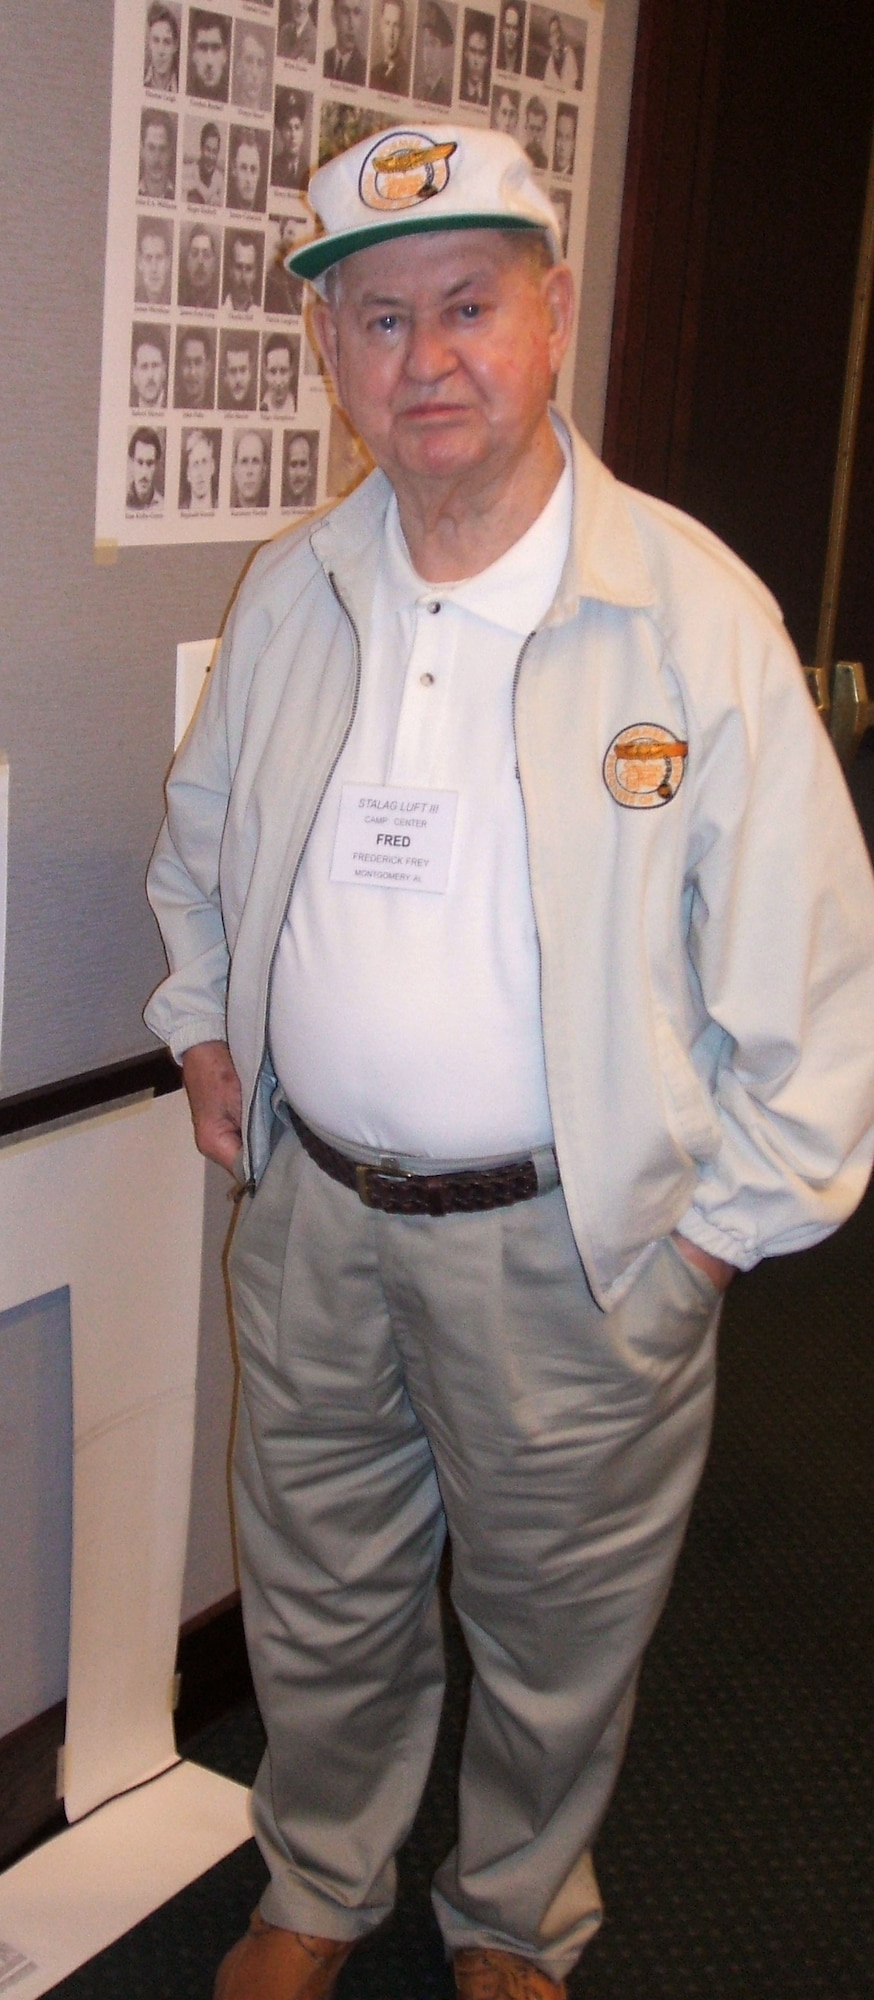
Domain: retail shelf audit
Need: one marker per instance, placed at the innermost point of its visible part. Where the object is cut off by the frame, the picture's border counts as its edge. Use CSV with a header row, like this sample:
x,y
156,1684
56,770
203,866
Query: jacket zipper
x,y
250,1184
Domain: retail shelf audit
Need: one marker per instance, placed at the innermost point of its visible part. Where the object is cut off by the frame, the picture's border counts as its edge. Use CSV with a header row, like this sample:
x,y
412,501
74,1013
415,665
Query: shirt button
x,y
426,680
433,607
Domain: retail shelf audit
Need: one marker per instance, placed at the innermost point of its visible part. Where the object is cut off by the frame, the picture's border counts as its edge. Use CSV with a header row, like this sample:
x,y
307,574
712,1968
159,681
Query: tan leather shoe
x,y
272,1964
500,1975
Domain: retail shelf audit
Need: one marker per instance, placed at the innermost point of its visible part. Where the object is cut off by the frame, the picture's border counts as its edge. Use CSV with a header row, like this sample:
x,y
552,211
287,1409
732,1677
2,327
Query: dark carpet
x,y
737,1859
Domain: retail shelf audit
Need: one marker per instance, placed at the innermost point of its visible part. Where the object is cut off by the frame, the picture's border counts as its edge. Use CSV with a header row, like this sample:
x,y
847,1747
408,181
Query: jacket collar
x,y
605,560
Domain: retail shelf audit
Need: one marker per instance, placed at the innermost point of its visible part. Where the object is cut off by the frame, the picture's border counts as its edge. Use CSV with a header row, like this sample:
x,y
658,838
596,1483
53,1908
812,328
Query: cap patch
x,y
404,170
644,765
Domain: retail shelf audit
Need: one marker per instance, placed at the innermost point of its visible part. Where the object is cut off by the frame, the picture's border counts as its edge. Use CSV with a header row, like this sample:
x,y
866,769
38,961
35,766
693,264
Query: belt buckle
x,y
386,1169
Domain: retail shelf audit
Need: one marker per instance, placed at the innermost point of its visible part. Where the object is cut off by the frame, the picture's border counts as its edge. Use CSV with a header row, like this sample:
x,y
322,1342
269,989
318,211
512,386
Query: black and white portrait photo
x,y
161,57
435,52
238,369
209,55
300,468
280,362
565,142
390,48
476,57
199,267
252,69
148,367
243,271
194,368
290,165
250,470
157,179
154,261
199,464
144,492
248,154
344,59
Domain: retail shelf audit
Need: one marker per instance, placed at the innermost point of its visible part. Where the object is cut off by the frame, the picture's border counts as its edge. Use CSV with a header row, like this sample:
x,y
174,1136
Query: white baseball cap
x,y
416,178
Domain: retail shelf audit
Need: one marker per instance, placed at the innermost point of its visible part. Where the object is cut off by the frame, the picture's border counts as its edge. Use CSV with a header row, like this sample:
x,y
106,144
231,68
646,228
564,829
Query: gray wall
x,y
88,654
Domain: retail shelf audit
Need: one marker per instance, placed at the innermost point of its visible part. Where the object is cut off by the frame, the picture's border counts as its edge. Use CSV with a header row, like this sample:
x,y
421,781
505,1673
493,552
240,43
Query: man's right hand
x,y
215,1099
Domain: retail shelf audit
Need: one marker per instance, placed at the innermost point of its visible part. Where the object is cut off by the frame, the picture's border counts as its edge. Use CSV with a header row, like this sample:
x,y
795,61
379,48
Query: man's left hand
x,y
717,1270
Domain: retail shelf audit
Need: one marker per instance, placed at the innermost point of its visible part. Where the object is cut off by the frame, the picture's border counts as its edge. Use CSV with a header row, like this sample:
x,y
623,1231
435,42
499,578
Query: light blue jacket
x,y
707,958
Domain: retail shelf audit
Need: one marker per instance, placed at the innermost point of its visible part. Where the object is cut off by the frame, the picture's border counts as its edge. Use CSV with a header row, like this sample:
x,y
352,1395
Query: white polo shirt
x,y
403,1018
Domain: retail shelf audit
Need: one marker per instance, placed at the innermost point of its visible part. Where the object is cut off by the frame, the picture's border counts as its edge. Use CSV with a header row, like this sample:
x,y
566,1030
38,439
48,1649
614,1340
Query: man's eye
x,y
470,310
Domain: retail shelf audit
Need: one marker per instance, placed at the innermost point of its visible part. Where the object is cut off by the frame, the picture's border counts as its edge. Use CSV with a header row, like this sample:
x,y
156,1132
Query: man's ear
x,y
558,295
325,330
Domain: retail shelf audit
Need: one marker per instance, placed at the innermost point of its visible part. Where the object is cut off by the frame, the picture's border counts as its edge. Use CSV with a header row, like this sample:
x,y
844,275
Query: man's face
x,y
443,349
476,56
277,375
535,126
155,157
297,465
162,51
153,267
200,466
506,114
149,374
200,264
244,265
511,29
555,33
249,467
238,374
347,23
142,466
209,153
247,168
194,371
292,135
390,30
564,143
300,10
209,57
253,71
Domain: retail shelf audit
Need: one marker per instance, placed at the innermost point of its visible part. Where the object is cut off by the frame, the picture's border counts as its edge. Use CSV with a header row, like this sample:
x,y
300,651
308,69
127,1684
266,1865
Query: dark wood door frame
x,y
662,241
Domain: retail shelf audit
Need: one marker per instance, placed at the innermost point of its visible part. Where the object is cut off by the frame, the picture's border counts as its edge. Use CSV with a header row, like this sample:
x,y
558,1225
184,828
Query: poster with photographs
x,y
216,422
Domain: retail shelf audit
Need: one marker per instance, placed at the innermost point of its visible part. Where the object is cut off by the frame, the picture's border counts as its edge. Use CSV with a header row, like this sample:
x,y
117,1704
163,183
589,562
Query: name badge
x,y
394,838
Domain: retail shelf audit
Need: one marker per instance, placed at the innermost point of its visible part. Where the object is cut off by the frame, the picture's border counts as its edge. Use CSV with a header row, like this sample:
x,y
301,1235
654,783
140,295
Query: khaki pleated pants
x,y
399,1374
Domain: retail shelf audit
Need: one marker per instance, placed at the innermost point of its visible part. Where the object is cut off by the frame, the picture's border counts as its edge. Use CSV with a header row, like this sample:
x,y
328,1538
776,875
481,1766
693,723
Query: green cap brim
x,y
317,257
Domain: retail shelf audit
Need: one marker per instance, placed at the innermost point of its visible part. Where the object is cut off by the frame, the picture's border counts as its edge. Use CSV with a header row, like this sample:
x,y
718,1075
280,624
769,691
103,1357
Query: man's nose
x,y
429,352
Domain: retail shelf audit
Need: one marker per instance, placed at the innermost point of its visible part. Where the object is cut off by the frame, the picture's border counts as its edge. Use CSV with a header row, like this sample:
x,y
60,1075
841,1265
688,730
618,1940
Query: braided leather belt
x,y
400,1193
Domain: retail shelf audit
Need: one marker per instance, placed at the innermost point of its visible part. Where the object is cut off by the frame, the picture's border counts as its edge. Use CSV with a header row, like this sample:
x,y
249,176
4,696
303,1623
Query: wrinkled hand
x,y
718,1271
215,1100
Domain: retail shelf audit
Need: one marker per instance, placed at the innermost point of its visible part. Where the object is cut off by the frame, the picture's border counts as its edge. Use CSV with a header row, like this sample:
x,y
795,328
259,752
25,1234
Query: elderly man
x,y
505,784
